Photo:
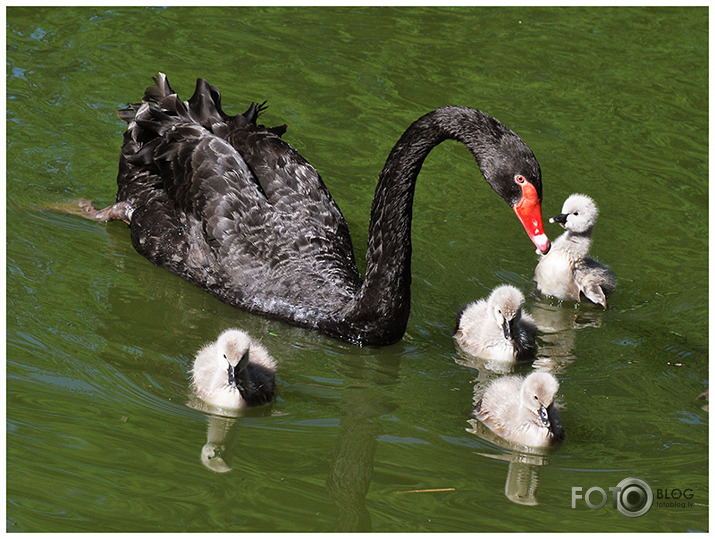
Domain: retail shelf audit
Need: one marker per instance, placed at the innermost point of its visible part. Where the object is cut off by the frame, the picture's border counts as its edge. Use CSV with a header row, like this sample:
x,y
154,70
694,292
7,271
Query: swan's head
x,y
537,396
233,353
521,188
510,167
504,306
578,214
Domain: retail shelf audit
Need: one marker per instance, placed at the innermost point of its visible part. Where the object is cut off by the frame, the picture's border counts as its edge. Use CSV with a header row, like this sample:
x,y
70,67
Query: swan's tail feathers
x,y
203,105
216,96
129,113
162,109
153,122
278,130
248,118
163,114
254,111
160,90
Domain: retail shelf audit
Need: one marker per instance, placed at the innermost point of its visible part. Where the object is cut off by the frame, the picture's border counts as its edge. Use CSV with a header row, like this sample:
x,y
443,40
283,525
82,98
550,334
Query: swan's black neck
x,y
381,309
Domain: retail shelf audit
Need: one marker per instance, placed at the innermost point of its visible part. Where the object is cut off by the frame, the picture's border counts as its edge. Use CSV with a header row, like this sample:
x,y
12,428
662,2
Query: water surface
x,y
613,103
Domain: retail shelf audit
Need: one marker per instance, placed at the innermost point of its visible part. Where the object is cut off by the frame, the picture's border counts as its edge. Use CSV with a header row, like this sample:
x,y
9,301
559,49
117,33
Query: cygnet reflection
x,y
559,325
522,478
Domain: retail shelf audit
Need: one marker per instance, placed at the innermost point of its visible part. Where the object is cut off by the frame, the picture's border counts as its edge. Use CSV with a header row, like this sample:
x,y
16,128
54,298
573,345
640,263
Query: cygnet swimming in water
x,y
521,410
234,372
567,271
497,327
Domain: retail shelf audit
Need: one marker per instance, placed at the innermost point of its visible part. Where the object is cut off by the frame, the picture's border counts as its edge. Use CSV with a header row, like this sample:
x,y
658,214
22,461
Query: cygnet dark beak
x,y
544,416
560,219
507,329
232,376
233,372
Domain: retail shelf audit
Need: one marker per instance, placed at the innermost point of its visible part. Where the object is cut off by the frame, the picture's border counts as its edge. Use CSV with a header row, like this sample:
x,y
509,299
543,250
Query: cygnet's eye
x,y
536,397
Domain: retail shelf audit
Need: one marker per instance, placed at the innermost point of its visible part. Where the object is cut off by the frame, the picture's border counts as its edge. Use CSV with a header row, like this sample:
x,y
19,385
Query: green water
x,y
613,102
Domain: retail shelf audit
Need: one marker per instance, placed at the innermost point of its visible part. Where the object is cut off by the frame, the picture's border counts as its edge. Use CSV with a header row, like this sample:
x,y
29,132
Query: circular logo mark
x,y
633,497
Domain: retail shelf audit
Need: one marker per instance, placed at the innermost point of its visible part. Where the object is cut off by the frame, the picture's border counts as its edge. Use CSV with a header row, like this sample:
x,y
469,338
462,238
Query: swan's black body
x,y
228,205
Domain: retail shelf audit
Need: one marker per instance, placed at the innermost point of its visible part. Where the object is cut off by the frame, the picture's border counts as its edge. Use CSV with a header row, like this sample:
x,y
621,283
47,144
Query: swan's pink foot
x,y
121,211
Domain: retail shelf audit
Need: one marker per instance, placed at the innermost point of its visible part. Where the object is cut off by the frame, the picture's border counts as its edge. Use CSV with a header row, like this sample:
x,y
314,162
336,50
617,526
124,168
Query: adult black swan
x,y
231,207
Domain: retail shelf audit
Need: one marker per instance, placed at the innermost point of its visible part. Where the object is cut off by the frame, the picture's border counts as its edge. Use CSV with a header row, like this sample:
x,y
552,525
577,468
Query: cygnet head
x,y
537,395
233,350
578,214
504,306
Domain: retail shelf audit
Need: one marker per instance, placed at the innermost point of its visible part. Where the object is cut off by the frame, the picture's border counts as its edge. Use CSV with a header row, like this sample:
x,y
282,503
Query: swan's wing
x,y
178,184
285,176
228,231
206,178
253,241
293,188
301,262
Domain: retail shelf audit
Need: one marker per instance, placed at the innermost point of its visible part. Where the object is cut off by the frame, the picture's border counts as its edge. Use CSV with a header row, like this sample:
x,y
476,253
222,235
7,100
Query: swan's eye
x,y
575,213
519,179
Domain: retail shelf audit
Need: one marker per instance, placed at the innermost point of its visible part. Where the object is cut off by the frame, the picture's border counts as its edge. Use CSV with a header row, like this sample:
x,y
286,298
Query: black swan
x,y
228,205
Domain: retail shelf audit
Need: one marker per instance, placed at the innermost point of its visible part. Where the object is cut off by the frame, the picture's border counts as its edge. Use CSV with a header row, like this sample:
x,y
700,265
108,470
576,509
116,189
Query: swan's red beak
x,y
528,209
